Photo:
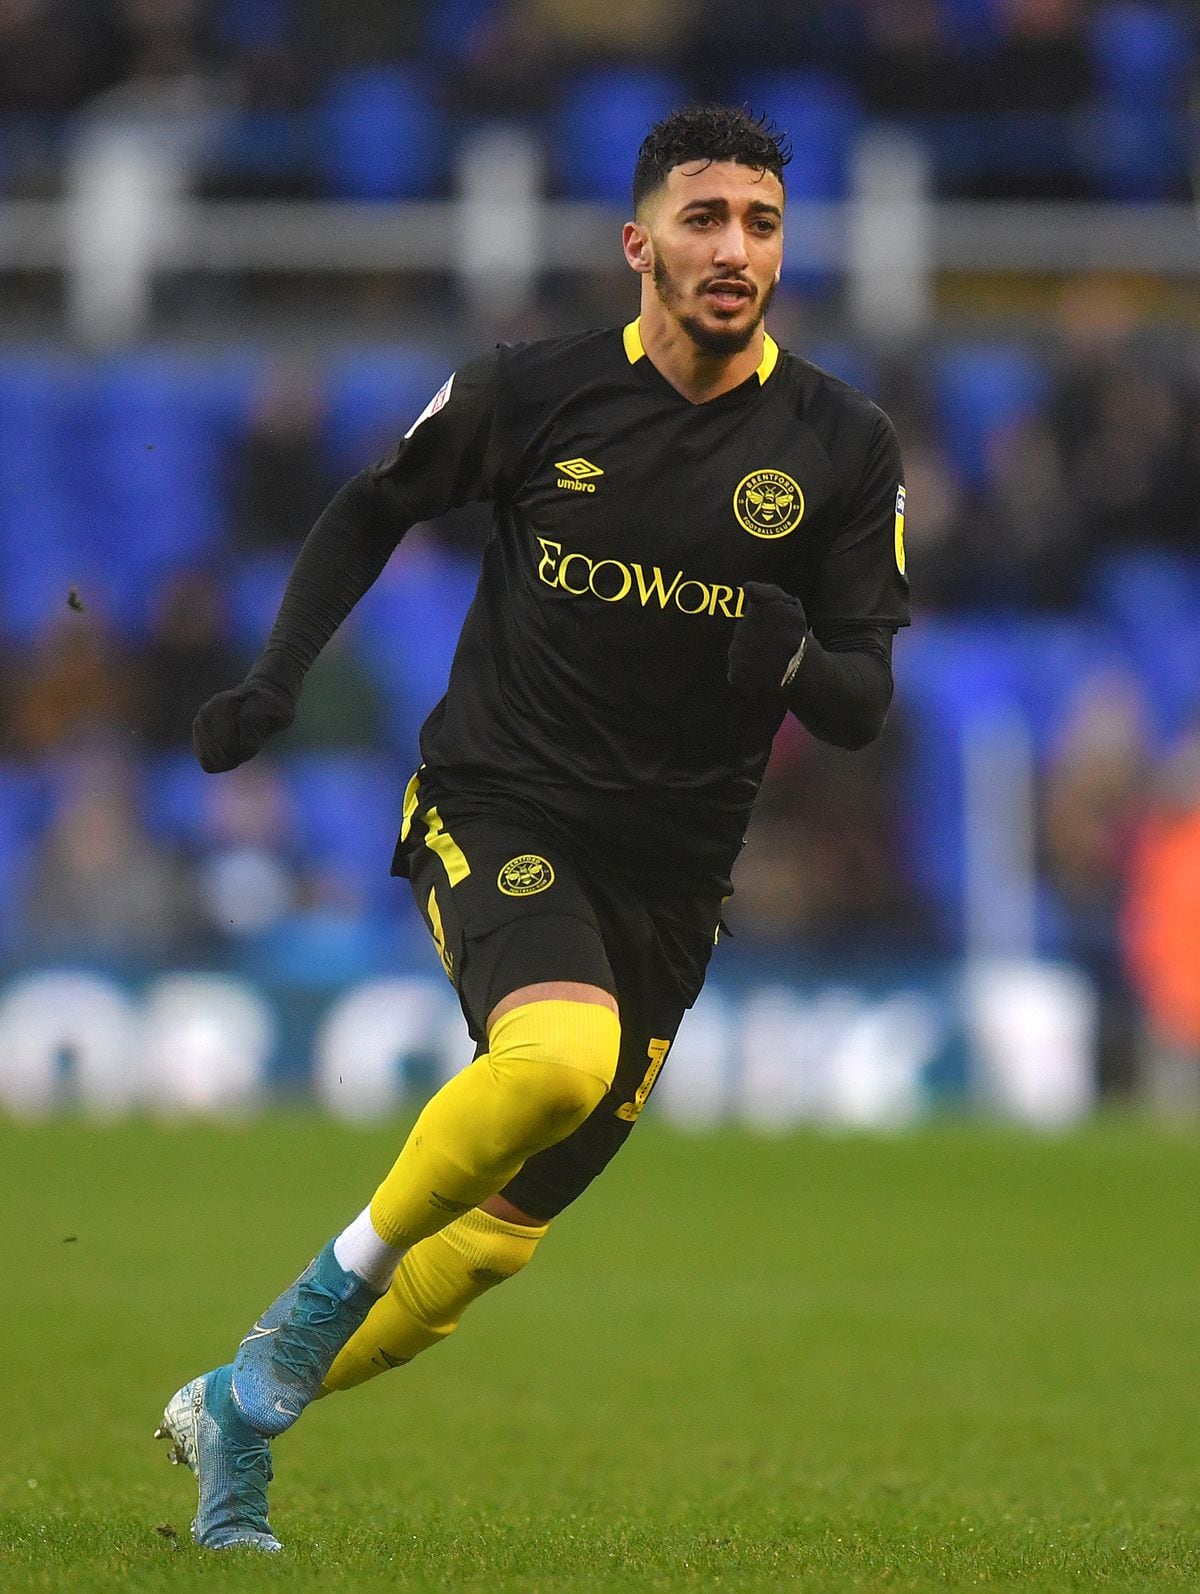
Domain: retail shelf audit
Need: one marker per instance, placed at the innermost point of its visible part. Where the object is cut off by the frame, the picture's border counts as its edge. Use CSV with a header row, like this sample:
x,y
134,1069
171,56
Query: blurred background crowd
x,y
1037,791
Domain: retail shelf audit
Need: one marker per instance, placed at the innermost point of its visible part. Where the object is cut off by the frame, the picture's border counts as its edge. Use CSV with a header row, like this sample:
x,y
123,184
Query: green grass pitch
x,y
959,1358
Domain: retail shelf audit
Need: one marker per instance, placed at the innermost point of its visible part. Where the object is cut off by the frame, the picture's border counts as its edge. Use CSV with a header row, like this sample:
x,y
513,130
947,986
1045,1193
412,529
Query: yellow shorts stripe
x,y
438,839
439,933
411,799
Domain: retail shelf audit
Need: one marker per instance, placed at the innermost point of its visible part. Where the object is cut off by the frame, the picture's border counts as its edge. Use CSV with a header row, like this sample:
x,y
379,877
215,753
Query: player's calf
x,y
431,1289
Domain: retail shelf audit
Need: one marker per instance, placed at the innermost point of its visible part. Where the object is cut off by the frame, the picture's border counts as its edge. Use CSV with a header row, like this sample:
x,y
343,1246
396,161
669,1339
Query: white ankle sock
x,y
360,1250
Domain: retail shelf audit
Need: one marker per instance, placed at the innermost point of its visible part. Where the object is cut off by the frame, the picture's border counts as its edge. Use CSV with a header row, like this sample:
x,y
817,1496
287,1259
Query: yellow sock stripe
x,y
438,839
582,1035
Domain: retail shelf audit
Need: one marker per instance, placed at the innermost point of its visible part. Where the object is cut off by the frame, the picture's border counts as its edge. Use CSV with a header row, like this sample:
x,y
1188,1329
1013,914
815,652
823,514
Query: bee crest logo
x,y
768,504
525,876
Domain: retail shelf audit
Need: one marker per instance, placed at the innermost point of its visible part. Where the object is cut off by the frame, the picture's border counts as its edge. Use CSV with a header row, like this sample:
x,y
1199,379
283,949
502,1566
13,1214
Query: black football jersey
x,y
588,689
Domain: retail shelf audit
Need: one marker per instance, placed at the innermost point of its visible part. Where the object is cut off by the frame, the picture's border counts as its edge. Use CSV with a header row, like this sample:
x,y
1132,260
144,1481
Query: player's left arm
x,y
833,668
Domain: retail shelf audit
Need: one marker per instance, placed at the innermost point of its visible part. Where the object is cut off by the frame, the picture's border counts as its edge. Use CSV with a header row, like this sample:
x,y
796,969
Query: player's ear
x,y
635,239
778,273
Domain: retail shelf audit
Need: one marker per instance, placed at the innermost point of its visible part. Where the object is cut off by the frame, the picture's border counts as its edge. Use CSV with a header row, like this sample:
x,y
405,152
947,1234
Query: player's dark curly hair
x,y
708,133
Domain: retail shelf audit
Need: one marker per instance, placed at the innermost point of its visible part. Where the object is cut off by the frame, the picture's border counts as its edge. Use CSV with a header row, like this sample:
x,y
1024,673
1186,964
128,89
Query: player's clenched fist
x,y
768,641
232,726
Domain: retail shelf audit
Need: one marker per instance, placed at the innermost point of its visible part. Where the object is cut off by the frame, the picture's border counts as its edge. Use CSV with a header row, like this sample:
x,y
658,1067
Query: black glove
x,y
768,641
232,726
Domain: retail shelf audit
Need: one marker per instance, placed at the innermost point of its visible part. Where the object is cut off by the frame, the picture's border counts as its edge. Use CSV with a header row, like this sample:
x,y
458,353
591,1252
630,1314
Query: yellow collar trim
x,y
635,349
769,360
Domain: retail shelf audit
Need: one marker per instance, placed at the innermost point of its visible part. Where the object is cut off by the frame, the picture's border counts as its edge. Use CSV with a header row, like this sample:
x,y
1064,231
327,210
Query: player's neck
x,y
695,372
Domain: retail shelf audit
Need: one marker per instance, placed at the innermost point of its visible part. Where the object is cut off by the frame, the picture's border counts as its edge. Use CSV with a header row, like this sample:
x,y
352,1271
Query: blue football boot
x,y
282,1361
231,1463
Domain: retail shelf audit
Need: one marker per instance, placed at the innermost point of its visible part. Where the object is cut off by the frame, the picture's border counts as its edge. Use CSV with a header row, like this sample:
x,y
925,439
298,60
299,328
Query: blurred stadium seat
x,y
382,134
372,397
601,120
979,390
1144,56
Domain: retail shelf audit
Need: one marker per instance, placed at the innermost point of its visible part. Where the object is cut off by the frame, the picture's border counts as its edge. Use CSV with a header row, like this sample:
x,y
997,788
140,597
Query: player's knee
x,y
560,1056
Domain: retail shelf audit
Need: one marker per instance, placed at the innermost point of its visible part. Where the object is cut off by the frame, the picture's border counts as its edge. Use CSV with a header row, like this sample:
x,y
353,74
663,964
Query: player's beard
x,y
712,340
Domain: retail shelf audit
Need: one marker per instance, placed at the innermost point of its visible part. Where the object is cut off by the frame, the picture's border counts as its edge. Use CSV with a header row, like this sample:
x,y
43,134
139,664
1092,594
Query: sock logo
x,y
525,876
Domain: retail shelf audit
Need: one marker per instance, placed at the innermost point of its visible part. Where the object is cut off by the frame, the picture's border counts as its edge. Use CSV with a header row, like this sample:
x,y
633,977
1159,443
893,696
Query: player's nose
x,y
729,248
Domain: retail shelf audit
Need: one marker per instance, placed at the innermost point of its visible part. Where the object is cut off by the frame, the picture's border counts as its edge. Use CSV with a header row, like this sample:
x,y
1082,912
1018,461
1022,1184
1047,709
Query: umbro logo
x,y
575,471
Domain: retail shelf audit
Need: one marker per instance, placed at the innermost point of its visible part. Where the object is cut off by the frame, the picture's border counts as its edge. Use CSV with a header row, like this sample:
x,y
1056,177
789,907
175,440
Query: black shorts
x,y
507,907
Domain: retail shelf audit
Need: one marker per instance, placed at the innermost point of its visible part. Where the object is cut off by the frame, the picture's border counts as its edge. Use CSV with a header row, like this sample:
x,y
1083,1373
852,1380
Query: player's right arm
x,y
450,456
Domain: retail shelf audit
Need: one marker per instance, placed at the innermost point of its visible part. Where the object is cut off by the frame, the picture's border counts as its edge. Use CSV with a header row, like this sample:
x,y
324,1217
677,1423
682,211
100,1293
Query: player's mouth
x,y
728,295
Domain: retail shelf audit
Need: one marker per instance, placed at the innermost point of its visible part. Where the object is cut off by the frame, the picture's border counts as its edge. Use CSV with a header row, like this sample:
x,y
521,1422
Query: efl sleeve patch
x,y
900,530
438,402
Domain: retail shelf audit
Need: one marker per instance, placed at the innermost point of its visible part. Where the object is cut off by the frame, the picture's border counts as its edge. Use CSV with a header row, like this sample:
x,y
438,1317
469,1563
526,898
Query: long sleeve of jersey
x,y
843,688
447,458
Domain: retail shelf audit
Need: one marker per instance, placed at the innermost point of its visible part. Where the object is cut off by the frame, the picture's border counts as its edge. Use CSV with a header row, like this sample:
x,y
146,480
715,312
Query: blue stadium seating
x,y
372,397
979,389
449,25
823,120
602,117
251,25
174,798
846,361
951,675
269,148
382,134
410,625
1138,144
349,808
256,587
1143,53
973,25
23,806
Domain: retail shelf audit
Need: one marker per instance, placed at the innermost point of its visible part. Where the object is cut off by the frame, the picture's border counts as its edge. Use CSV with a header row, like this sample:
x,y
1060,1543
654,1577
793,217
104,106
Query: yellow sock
x,y
548,1065
433,1286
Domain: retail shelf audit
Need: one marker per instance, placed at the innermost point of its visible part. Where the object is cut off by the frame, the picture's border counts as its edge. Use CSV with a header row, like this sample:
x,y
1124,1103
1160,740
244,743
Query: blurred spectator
x,y
368,32
938,534
1092,802
506,65
75,680
170,38
341,706
1162,934
627,30
1127,428
1028,537
765,36
250,866
55,54
823,859
908,67
1034,86
186,658
280,484
99,887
